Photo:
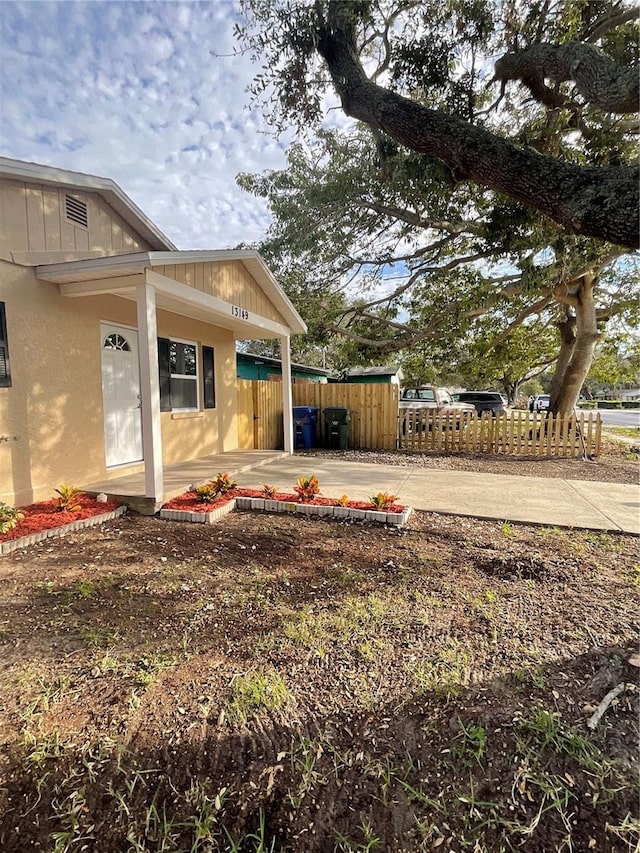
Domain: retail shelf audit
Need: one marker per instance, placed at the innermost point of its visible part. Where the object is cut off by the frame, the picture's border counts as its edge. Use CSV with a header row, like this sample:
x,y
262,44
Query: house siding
x,y
51,418
226,280
253,370
34,220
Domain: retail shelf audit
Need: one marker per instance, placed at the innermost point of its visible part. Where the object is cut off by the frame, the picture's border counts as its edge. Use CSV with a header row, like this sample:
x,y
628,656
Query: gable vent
x,y
76,210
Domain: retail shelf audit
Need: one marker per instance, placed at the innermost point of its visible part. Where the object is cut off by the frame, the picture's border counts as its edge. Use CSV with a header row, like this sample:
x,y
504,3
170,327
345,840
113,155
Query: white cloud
x,y
131,91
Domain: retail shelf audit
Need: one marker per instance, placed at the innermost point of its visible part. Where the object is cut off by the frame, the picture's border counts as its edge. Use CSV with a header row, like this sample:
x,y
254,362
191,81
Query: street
x,y
619,417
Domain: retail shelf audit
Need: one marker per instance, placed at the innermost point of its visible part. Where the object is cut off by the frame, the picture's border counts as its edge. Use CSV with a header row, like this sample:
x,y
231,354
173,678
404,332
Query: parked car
x,y
540,402
430,399
483,401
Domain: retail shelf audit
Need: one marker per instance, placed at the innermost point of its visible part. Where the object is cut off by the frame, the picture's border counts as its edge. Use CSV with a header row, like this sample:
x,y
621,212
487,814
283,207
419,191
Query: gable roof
x,y
19,170
122,266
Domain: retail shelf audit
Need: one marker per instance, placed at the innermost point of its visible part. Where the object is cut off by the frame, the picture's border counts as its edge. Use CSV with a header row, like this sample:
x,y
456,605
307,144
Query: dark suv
x,y
484,401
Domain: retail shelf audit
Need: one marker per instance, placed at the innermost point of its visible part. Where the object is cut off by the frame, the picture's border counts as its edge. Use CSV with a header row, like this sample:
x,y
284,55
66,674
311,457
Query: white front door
x,y
121,395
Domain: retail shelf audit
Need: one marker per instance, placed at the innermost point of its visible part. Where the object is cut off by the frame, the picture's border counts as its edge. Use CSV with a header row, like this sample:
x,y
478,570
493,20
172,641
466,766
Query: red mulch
x,y
44,516
189,502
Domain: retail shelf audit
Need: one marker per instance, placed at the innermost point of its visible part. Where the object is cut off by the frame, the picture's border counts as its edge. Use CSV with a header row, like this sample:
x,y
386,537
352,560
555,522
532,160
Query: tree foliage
x,y
395,246
557,138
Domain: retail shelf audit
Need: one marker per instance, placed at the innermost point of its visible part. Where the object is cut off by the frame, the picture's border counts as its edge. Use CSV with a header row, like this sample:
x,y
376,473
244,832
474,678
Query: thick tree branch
x,y
598,79
597,202
411,218
610,20
520,317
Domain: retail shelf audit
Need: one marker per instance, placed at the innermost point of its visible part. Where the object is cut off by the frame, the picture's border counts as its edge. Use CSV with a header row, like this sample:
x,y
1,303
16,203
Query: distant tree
x,y
616,364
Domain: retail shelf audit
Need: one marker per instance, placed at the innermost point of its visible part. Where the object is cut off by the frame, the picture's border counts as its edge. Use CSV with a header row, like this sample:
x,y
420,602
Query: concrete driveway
x,y
536,500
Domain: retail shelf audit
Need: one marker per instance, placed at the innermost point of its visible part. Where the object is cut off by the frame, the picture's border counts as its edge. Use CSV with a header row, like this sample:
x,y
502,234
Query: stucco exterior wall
x,y
51,418
34,220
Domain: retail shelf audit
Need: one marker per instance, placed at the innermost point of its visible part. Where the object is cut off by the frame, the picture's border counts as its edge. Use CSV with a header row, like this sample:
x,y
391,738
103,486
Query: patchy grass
x,y
280,684
632,432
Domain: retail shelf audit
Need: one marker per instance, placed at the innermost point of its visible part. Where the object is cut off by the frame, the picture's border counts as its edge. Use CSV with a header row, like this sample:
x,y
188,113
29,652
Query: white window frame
x,y
195,378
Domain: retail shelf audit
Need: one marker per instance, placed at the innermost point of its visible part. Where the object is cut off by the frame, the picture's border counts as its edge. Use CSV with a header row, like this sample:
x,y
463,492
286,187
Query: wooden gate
x,y
259,415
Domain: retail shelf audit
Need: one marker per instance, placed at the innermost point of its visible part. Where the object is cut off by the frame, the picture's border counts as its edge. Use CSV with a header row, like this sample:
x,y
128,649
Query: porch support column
x,y
287,394
150,392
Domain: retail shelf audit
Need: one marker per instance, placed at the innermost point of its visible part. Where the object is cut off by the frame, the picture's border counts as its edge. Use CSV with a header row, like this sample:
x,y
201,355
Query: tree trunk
x,y
596,202
565,397
511,388
567,329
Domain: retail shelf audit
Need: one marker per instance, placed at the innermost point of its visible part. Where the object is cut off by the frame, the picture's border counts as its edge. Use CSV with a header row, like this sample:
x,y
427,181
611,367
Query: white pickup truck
x,y
432,397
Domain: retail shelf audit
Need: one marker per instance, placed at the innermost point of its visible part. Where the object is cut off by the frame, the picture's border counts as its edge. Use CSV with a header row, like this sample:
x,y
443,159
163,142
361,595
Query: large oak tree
x,y
385,61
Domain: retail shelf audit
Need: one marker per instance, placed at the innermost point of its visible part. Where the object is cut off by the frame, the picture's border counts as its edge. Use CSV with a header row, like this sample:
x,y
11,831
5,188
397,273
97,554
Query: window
x,y
426,394
116,341
5,370
178,373
208,378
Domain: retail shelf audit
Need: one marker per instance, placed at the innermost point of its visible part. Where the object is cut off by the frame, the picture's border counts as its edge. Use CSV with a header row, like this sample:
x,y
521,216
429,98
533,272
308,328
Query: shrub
x,y
223,483
269,491
9,517
307,488
383,500
67,500
343,501
207,492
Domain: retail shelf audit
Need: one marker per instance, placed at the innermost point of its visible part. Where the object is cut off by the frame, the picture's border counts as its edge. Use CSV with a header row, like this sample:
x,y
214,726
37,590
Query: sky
x,y
131,91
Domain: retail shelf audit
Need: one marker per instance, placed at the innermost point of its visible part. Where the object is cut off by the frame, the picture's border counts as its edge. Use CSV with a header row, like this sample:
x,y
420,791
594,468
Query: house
x,y
381,375
251,366
117,351
630,394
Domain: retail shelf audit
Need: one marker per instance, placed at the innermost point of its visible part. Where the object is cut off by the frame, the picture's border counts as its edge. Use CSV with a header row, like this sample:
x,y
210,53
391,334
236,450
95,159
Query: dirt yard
x,y
272,683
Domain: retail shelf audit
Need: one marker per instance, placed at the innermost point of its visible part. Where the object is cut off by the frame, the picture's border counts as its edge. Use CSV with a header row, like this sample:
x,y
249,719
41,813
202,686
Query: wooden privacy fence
x,y
259,415
378,424
373,407
516,433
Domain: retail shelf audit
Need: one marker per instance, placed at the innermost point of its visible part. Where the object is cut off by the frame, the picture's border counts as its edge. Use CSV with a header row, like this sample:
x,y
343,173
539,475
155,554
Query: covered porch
x,y
130,488
190,286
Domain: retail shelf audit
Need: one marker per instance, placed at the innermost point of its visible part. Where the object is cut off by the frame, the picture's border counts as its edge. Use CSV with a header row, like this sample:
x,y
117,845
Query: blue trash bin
x,y
305,419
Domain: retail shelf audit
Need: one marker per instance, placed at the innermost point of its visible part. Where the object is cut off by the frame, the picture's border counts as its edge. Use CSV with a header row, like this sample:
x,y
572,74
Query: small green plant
x,y
507,529
67,500
632,575
470,742
343,501
207,492
255,692
269,491
383,500
9,517
307,488
223,483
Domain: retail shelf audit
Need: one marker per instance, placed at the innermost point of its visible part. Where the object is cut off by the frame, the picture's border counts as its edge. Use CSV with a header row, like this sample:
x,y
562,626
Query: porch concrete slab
x,y
130,487
505,497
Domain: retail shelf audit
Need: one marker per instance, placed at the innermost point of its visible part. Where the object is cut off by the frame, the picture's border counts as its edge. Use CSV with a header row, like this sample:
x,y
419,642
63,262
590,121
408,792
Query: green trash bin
x,y
336,427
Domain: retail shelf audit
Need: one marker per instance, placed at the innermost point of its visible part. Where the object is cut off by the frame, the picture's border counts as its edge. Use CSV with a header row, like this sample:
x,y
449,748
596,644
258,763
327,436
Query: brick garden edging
x,y
265,505
55,532
199,517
